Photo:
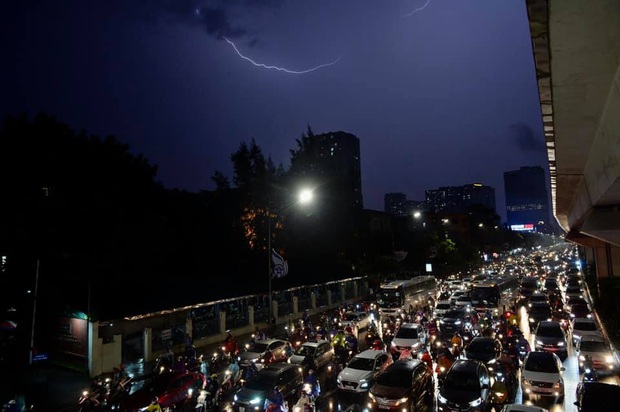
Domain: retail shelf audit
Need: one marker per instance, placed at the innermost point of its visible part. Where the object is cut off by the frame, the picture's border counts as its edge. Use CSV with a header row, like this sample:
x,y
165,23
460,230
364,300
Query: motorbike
x,y
441,370
498,396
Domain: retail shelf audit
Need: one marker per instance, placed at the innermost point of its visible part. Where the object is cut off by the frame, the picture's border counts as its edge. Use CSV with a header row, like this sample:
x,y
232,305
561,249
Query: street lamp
x,y
305,196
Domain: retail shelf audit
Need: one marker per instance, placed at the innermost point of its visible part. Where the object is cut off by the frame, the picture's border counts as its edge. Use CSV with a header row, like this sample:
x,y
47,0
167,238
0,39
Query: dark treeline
x,y
93,214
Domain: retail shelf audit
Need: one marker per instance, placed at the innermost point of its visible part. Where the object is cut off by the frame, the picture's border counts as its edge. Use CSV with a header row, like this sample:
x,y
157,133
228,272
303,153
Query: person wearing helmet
x,y
213,389
312,380
154,406
275,398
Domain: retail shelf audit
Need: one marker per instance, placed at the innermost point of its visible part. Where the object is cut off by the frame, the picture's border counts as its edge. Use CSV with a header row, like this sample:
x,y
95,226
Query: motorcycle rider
x,y
426,357
233,373
288,350
213,389
275,398
457,343
304,403
313,381
154,406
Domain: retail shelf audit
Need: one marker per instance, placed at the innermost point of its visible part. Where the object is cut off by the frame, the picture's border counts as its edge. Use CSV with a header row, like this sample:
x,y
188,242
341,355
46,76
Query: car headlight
x,y
256,401
609,359
364,385
441,399
582,358
458,322
561,343
539,342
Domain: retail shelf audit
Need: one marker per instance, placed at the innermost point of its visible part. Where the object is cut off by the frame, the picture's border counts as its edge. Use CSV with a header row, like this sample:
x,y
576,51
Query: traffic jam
x,y
518,335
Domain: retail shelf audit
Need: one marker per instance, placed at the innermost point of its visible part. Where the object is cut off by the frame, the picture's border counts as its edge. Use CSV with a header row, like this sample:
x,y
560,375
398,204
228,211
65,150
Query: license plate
x,y
241,409
384,407
349,386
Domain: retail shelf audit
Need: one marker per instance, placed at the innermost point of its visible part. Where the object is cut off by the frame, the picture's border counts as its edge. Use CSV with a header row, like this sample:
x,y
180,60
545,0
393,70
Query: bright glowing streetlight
x,y
417,214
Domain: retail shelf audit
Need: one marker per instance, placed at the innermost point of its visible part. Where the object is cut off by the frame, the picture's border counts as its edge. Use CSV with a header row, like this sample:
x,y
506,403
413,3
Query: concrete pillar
x,y
251,316
329,298
355,294
343,293
222,322
148,344
313,301
274,310
295,305
189,326
95,349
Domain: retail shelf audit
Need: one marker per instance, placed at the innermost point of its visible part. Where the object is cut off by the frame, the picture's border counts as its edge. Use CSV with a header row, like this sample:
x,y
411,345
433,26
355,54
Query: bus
x,y
398,296
495,294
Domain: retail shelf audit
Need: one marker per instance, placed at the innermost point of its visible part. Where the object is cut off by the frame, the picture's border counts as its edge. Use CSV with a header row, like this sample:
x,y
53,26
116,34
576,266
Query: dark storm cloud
x,y
214,16
525,138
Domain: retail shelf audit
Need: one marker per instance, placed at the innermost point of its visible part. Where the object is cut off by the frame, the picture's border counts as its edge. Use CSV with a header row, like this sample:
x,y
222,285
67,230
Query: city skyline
x,y
439,93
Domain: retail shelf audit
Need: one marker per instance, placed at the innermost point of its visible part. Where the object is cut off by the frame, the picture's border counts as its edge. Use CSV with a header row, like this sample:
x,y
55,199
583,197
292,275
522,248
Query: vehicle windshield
x,y
540,310
443,306
537,363
395,379
481,345
304,350
362,364
389,299
261,383
454,314
462,381
593,346
484,295
407,333
552,331
587,326
258,347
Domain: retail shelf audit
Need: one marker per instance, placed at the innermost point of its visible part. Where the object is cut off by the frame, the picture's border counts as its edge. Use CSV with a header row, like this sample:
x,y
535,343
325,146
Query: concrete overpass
x,y
576,45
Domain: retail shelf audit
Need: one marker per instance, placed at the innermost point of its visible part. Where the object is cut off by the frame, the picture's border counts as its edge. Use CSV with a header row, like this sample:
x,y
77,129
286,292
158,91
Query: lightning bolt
x,y
417,10
282,69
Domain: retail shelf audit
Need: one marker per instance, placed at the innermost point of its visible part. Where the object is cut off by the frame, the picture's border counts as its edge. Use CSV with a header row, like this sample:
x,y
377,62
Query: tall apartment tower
x,y
527,203
395,204
339,154
461,199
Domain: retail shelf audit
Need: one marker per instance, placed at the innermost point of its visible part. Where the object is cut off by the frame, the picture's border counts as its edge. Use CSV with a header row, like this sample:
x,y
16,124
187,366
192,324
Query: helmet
x,y
214,376
310,371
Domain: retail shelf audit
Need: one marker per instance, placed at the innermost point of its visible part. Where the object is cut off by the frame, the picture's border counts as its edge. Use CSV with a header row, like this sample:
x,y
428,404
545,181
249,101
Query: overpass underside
x,y
576,47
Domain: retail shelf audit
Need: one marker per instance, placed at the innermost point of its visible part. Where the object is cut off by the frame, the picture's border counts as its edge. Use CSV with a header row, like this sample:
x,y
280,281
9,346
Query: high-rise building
x,y
461,199
397,204
339,164
527,203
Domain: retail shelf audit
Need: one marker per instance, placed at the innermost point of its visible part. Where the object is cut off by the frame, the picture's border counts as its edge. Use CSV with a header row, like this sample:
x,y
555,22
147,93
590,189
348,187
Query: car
x,y
542,375
360,372
484,349
573,280
287,377
455,295
575,292
465,387
452,321
550,337
538,311
595,396
551,285
171,389
441,307
312,355
596,348
537,297
584,327
406,385
580,310
517,407
411,336
356,320
257,351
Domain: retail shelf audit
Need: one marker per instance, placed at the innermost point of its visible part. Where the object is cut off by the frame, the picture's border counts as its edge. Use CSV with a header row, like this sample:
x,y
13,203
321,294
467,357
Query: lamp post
x,y
305,196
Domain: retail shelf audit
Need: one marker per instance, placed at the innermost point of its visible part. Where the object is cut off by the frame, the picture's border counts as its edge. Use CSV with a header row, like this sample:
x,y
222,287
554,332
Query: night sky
x,y
439,92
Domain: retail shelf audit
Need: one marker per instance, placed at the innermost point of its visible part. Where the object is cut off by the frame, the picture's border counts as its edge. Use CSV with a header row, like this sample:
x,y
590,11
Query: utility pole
x,y
34,313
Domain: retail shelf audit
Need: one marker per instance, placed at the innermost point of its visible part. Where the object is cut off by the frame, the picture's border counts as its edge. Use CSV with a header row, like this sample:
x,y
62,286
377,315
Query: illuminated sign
x,y
520,228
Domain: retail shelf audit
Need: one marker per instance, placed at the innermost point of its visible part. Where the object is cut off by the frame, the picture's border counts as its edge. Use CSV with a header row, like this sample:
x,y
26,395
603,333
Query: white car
x,y
597,348
441,307
584,327
410,336
356,320
542,375
360,373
